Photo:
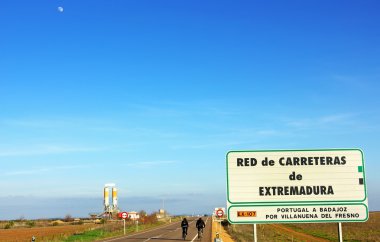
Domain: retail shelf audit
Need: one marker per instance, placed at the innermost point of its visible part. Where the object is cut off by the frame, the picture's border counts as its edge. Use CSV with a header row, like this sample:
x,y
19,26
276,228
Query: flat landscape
x,y
58,230
368,231
120,118
111,231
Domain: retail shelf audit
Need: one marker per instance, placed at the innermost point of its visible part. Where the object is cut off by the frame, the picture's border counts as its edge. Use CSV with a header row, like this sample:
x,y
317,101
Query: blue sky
x,y
151,95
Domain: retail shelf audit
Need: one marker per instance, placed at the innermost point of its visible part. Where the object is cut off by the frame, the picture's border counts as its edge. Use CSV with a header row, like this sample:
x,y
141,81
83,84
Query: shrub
x,y
8,226
30,223
225,223
151,219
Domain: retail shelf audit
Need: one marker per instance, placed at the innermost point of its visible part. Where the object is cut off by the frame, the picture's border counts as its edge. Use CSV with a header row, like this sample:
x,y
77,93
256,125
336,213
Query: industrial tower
x,y
110,209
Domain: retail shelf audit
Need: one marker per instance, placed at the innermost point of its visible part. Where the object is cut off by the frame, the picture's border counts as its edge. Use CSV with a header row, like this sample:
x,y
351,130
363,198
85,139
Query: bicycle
x,y
184,233
200,233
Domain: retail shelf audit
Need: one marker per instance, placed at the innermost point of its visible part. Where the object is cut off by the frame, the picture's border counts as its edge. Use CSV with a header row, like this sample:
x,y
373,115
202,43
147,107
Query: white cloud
x,y
207,145
148,164
353,81
268,132
41,170
335,119
43,149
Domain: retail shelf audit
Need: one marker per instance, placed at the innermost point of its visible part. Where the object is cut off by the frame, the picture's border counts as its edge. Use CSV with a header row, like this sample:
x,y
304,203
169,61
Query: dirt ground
x,y
50,233
298,235
217,228
366,231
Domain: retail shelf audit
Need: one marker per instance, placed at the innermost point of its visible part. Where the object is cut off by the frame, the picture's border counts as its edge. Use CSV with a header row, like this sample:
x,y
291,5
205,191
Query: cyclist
x,y
200,225
184,225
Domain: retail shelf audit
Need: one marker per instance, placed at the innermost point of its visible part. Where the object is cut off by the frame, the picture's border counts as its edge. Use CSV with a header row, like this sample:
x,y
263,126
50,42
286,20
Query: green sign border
x,y
299,221
282,202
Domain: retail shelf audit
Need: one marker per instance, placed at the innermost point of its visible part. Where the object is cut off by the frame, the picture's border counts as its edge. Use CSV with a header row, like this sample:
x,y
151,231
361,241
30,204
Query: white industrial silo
x,y
114,198
106,198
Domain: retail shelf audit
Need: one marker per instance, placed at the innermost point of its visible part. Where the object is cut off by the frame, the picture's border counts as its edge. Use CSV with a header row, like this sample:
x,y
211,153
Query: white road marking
x,y
138,234
156,237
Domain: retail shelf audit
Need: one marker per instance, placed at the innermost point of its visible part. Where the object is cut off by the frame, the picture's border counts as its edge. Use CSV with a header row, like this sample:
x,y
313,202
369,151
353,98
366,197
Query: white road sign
x,y
219,213
124,215
260,182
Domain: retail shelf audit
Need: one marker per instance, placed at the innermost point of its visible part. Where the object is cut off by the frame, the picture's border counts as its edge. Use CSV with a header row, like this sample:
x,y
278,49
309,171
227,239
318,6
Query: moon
x,y
60,9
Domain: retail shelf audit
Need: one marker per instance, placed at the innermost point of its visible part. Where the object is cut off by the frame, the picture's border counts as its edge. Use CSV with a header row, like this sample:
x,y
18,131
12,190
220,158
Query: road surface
x,y
169,232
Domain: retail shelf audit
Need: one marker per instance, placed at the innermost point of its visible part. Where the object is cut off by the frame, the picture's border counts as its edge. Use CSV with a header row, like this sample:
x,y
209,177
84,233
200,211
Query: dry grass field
x,y
58,231
51,233
368,231
269,233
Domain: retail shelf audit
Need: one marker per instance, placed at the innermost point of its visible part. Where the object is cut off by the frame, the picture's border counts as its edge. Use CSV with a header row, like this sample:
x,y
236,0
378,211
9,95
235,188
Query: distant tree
x,y
68,218
152,218
142,213
22,218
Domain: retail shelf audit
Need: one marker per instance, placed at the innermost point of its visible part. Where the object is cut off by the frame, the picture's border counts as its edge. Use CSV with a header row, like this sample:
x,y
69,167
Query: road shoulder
x,y
216,227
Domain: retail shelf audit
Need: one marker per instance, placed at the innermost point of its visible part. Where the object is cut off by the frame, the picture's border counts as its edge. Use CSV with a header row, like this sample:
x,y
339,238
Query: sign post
x,y
293,186
220,214
340,233
124,216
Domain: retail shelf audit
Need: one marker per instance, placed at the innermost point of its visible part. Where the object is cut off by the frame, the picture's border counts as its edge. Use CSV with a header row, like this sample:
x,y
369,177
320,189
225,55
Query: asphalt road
x,y
169,232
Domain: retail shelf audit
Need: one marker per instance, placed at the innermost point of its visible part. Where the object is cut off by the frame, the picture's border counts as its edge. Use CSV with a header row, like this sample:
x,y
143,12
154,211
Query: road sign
x,y
219,213
124,215
296,186
223,210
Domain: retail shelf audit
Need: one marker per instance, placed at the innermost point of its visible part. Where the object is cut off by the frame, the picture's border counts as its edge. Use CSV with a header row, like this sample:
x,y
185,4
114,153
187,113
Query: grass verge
x,y
107,232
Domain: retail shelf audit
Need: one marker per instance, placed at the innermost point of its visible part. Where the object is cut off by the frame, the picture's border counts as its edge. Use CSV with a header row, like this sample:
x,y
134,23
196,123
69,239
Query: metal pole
x,y
340,232
124,226
254,233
